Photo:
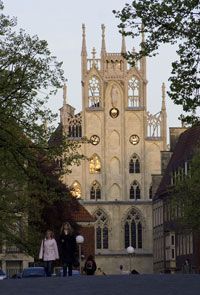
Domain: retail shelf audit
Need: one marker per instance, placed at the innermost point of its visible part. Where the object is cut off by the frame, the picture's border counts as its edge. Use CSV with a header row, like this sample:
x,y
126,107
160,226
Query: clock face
x,y
114,113
95,139
134,139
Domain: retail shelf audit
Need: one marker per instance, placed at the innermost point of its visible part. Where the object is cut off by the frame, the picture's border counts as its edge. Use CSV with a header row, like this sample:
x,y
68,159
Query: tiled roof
x,y
79,213
184,147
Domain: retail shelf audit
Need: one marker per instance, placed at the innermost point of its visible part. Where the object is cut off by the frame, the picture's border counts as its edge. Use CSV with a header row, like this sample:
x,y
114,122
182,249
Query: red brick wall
x,y
88,247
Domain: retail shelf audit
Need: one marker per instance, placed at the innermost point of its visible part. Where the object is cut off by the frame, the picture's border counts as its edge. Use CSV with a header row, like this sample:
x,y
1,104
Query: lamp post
x,y
130,250
79,240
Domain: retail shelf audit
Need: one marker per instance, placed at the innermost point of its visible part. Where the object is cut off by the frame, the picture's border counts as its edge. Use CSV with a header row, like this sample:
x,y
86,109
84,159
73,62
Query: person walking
x,y
90,266
187,267
68,248
48,252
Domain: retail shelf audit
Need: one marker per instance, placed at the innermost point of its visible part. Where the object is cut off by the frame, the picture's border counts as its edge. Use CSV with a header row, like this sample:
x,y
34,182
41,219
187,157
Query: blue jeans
x,y
65,266
48,265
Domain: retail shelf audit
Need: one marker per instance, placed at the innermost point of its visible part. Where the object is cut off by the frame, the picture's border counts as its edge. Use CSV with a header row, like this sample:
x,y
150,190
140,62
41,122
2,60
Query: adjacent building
x,y
171,246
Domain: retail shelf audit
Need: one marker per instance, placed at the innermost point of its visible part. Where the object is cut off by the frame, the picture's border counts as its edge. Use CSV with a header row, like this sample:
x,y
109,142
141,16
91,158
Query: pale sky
x,y
60,23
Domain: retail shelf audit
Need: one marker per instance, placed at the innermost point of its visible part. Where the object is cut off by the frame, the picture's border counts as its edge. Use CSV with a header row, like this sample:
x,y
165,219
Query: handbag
x,y
76,263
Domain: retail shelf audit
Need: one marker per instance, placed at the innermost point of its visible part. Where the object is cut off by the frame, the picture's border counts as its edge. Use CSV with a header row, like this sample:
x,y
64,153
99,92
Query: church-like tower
x,y
126,140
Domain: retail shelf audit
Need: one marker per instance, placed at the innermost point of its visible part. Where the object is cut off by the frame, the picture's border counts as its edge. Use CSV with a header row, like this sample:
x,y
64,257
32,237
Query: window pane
x,y
137,166
98,194
133,234
137,193
132,192
98,237
127,235
139,227
92,194
131,166
105,238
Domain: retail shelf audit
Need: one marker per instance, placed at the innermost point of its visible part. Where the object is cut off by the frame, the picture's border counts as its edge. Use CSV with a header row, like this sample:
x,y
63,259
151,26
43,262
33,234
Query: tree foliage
x,y
29,179
170,21
185,201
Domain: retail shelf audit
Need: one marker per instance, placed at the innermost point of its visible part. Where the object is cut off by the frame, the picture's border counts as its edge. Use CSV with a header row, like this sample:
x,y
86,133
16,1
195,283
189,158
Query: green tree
x,y
185,197
29,75
170,21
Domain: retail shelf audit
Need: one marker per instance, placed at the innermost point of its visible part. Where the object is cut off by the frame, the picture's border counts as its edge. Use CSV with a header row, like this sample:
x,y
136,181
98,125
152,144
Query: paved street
x,y
116,284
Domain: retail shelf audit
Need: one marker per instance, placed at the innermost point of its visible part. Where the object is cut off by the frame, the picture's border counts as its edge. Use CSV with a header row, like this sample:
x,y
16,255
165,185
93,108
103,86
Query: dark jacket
x,y
91,269
68,247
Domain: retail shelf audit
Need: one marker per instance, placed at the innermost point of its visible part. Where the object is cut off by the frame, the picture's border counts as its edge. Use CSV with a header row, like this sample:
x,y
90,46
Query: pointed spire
x,y
143,59
64,94
163,97
123,42
103,46
84,51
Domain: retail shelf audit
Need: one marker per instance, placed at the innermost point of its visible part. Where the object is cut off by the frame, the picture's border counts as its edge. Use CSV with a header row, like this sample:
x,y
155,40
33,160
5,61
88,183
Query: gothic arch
x,y
133,229
94,89
154,146
135,190
134,164
138,211
96,123
114,139
104,211
95,164
115,191
95,190
115,166
102,228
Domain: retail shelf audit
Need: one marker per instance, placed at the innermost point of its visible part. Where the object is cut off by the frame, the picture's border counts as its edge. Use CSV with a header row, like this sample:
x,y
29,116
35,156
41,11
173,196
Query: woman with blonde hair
x,y
68,246
48,252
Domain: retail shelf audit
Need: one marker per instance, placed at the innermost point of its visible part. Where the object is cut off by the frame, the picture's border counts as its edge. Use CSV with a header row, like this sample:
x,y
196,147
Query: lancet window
x,y
134,164
95,191
94,92
133,230
150,192
95,164
133,93
135,190
76,190
101,230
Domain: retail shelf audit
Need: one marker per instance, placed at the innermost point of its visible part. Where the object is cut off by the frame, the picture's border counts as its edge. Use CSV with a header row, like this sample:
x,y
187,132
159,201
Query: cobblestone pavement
x,y
104,285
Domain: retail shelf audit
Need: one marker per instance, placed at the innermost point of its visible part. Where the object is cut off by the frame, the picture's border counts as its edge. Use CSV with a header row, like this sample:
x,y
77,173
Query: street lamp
x,y
79,240
130,250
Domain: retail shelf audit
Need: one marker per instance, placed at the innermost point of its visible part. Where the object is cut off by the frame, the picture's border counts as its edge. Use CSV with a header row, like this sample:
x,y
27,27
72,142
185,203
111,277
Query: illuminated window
x,y
76,190
95,164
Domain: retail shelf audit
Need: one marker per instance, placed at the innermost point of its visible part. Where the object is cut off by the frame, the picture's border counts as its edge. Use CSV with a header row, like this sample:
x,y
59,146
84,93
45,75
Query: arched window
x,y
95,164
133,93
133,230
94,92
101,230
75,190
134,164
95,191
150,192
135,190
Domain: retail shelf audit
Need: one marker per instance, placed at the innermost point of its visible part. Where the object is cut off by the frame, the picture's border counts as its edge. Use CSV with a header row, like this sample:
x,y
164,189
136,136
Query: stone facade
x,y
126,140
